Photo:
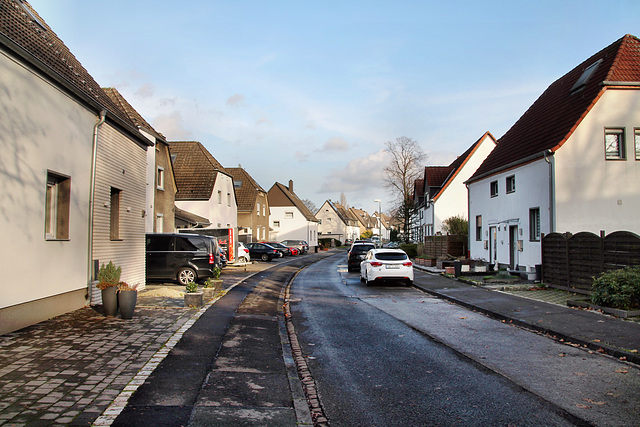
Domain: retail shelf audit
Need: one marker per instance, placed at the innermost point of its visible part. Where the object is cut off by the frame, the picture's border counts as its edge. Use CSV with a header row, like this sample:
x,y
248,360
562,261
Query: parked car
x,y
301,245
179,256
223,257
356,254
243,253
262,251
284,250
386,264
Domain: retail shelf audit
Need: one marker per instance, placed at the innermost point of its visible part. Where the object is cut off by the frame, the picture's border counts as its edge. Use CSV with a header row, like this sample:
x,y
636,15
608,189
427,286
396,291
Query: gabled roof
x,y
131,112
24,33
247,190
554,116
363,217
195,169
282,196
345,215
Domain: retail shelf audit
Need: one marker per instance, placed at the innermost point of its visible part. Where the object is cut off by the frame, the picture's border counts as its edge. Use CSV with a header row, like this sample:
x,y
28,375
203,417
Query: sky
x,y
312,91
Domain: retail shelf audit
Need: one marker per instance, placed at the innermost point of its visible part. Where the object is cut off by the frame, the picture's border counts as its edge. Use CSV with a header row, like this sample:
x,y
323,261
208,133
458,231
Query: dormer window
x,y
586,75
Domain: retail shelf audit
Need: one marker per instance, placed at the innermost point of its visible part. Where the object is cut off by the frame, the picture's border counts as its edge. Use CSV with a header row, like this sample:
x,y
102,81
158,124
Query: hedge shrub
x,y
410,248
618,289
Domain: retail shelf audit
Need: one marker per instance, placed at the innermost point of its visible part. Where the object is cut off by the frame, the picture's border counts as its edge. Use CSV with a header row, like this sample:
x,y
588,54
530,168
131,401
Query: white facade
x,y
221,209
39,127
332,224
575,190
288,223
452,198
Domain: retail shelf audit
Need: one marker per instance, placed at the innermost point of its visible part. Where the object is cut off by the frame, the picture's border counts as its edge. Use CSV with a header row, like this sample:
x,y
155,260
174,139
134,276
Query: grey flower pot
x,y
110,301
127,302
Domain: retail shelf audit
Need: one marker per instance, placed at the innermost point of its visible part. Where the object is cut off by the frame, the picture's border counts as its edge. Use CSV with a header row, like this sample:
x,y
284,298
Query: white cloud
x,y
146,91
334,144
172,126
236,100
358,175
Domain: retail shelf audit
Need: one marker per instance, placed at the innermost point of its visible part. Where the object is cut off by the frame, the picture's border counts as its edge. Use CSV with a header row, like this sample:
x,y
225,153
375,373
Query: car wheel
x,y
265,257
243,259
186,275
409,283
361,278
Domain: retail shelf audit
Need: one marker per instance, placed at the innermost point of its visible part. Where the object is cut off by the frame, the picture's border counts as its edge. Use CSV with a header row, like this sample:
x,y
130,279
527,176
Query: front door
x,y
513,246
493,245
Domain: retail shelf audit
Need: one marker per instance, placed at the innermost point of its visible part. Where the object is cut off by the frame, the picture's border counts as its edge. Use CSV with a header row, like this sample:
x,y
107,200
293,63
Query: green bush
x,y
108,275
410,248
192,287
618,289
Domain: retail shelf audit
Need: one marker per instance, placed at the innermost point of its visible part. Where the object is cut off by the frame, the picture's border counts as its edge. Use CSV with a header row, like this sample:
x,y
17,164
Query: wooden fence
x,y
437,246
571,261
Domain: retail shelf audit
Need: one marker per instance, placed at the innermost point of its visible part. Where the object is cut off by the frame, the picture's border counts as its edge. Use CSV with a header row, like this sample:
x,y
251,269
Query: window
x,y
288,215
57,203
264,210
479,227
258,209
636,138
534,224
237,184
115,214
276,223
219,197
160,178
584,78
228,199
614,144
511,184
494,188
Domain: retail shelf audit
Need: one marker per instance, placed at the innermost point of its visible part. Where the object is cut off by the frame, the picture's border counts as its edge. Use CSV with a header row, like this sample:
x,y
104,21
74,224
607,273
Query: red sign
x,y
231,246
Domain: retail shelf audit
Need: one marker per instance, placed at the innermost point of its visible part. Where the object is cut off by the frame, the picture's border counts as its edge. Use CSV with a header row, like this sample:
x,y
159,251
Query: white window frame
x,y
493,184
57,206
288,215
510,184
160,178
636,138
534,224
609,135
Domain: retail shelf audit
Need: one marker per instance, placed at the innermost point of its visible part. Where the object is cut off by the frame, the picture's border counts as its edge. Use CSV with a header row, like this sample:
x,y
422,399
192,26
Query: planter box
x,y
195,299
450,270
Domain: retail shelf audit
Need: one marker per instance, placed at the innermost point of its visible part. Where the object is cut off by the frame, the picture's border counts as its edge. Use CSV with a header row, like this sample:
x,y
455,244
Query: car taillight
x,y
376,264
212,259
407,264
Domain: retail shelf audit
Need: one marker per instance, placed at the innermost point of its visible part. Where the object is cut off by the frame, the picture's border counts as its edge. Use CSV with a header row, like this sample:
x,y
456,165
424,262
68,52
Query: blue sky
x,y
312,91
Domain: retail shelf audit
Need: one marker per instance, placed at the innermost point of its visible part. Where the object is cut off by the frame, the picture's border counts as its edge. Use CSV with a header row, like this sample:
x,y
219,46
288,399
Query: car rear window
x,y
192,244
391,256
362,248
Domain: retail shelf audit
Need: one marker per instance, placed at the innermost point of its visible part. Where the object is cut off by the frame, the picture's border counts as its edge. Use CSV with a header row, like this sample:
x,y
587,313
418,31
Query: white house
x,y
69,155
571,163
290,219
444,189
337,222
206,189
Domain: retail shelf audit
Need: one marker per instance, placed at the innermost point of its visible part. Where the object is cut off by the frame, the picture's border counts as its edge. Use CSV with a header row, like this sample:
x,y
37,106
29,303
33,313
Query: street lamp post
x,y
379,219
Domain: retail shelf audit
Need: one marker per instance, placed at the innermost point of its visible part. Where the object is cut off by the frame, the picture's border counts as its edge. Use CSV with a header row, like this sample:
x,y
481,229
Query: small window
x,y
511,184
159,223
219,197
479,227
258,209
614,144
288,215
534,224
160,178
57,204
237,184
228,199
494,189
636,138
115,214
585,76
276,224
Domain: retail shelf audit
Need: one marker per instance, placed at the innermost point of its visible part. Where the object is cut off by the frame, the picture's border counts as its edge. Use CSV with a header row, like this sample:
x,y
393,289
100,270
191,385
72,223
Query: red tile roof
x,y
195,170
553,117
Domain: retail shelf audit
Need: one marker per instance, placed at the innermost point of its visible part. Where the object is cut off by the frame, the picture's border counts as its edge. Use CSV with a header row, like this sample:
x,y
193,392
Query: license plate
x,y
392,266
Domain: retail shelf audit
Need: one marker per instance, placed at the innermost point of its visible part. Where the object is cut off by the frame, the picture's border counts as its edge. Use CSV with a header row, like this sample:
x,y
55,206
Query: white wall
x,y
509,209
592,193
296,228
41,129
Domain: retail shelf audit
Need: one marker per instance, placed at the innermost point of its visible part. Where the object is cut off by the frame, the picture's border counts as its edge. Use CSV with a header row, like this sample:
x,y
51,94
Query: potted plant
x,y
127,296
108,279
193,298
213,285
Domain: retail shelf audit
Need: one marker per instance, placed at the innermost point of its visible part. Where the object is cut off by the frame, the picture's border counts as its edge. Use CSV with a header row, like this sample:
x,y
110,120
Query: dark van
x,y
182,257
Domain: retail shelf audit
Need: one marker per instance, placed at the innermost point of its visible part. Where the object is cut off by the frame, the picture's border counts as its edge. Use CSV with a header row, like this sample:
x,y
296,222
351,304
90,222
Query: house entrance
x,y
513,246
493,245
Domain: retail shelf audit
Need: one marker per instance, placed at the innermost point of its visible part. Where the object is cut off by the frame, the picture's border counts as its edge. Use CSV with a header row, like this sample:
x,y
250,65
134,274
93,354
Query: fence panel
x,y
620,249
585,259
554,259
438,246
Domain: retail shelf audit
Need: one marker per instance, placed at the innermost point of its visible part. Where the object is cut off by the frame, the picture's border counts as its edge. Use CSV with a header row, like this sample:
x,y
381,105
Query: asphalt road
x,y
392,355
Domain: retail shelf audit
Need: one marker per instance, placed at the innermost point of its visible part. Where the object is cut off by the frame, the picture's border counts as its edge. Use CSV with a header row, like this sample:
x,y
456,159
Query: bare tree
x,y
343,200
310,205
405,165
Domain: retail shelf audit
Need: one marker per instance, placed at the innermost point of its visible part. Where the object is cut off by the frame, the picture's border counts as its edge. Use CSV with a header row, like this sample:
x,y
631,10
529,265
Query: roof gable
x,y
553,117
281,196
247,191
195,170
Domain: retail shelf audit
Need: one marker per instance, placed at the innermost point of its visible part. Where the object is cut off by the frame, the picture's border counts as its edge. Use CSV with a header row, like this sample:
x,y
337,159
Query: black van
x,y
182,257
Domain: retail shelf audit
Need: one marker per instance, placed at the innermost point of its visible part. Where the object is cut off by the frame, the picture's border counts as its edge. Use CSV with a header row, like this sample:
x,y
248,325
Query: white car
x,y
243,253
386,264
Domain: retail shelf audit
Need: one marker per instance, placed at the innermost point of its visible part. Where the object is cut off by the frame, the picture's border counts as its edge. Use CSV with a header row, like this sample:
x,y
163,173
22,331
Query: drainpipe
x,y
551,193
92,189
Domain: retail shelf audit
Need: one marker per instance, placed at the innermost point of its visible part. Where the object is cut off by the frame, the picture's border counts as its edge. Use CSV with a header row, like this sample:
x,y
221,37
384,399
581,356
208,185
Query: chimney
x,y
291,185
